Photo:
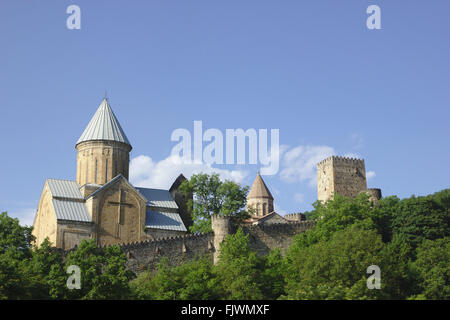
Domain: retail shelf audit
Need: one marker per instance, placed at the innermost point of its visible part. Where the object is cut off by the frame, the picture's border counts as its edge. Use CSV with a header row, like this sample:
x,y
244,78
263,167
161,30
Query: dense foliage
x,y
213,196
409,240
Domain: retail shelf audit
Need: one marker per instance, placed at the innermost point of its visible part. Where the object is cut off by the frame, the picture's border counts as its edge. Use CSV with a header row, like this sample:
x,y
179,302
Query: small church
x,y
102,204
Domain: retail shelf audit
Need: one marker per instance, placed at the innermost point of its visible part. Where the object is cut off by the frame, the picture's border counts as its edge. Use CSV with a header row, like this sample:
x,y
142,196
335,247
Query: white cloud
x,y
144,172
299,163
25,216
370,174
299,197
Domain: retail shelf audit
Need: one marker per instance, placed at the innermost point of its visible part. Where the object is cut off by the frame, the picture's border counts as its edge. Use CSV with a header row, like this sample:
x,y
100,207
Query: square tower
x,y
345,176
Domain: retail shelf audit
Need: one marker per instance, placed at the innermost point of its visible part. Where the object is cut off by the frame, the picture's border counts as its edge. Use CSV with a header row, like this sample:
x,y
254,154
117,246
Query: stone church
x,y
102,204
260,206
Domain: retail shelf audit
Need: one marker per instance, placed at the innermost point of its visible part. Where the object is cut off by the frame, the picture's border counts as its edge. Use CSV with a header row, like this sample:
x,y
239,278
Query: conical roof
x,y
104,126
259,189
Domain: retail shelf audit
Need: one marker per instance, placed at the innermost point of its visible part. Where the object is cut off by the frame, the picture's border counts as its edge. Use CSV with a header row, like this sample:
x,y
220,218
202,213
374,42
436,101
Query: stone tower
x,y
103,150
221,227
345,176
259,198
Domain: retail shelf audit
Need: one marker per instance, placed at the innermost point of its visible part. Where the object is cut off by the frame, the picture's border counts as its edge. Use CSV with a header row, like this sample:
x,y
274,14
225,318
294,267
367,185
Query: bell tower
x,y
103,150
259,198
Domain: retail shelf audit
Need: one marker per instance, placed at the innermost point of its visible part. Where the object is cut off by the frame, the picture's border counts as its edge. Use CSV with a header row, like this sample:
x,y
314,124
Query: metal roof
x,y
158,198
71,210
64,189
164,220
104,126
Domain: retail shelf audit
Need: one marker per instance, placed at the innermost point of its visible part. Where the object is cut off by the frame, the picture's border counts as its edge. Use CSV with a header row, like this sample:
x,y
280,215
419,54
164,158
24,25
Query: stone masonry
x,y
145,255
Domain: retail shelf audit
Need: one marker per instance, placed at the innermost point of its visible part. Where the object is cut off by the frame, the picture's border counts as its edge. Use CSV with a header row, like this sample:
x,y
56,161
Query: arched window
x,y
258,209
264,209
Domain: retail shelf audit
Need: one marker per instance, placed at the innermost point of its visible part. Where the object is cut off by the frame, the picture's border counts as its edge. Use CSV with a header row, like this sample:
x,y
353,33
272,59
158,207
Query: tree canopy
x,y
408,239
213,196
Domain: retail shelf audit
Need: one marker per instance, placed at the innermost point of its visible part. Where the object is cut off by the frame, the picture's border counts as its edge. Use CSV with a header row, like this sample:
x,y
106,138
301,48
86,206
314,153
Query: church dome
x,y
104,126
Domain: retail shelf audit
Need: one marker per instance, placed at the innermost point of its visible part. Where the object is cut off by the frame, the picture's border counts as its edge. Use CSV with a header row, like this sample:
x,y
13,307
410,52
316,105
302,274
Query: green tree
x,y
334,268
15,244
433,265
37,269
273,280
13,235
335,215
193,280
399,276
212,196
239,268
419,218
103,273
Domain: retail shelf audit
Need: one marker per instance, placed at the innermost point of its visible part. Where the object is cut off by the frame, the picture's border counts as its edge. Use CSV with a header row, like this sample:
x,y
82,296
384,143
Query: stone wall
x,y
264,238
154,234
147,254
295,216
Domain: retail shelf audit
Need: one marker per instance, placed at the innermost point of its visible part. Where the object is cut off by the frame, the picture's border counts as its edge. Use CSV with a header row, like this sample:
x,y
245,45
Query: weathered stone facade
x,y
45,225
345,176
118,212
100,161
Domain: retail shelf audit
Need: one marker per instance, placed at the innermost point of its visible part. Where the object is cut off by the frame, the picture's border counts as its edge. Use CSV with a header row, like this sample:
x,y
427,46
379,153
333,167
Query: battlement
x,y
145,255
342,175
166,240
295,217
285,226
341,160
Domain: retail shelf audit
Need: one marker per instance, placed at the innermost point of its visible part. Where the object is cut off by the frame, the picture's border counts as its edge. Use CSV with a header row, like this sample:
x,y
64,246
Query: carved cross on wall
x,y
120,205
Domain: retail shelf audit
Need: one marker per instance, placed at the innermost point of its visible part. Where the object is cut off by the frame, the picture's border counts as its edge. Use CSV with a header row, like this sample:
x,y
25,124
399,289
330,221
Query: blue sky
x,y
311,69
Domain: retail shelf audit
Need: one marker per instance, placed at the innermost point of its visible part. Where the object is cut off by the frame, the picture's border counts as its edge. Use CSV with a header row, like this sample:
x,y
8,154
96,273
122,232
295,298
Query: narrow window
x,y
95,170
106,171
115,168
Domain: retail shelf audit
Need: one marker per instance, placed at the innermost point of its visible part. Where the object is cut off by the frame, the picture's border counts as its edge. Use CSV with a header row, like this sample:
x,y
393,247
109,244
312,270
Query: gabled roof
x,y
71,210
158,198
262,219
66,189
178,181
164,220
104,126
68,202
259,189
111,182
